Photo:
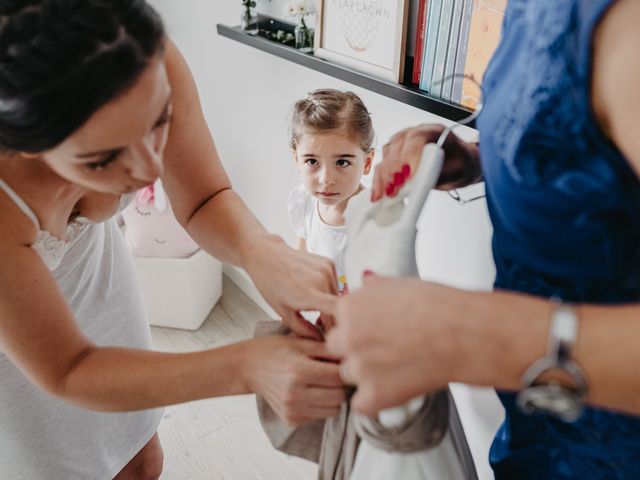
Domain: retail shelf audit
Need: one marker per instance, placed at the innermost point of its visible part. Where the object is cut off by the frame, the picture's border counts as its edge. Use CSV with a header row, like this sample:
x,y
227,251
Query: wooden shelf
x,y
409,94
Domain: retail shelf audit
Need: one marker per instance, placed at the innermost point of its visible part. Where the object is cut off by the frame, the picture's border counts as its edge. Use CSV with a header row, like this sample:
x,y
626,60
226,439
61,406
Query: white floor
x,y
221,438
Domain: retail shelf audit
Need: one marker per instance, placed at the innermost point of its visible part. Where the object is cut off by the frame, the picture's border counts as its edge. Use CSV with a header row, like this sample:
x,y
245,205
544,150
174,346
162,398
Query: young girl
x,y
331,142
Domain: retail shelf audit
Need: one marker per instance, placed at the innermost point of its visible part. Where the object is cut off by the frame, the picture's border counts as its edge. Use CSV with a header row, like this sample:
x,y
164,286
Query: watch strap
x,y
563,334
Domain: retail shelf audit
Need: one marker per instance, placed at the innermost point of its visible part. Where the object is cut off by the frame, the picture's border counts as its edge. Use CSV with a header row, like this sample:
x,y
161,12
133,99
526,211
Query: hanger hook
x,y
445,133
470,118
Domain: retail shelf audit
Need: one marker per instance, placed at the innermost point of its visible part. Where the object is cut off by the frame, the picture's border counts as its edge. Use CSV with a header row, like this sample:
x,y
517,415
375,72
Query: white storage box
x,y
180,292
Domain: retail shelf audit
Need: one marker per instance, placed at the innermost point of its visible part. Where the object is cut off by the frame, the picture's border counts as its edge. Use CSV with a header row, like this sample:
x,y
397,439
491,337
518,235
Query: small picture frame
x,y
366,35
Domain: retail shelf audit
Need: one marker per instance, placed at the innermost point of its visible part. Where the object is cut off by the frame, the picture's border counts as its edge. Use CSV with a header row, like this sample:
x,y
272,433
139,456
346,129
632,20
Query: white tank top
x,y
42,437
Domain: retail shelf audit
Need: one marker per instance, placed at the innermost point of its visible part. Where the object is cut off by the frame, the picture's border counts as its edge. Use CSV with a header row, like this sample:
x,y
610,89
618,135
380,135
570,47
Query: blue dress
x,y
565,207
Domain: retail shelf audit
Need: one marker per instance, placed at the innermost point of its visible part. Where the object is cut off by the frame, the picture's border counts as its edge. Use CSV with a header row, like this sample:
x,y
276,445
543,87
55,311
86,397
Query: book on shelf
x,y
461,54
420,33
452,50
442,46
429,49
485,29
459,39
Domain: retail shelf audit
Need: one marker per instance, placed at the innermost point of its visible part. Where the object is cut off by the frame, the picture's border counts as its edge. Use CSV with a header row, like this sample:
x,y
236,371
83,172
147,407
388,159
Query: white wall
x,y
246,95
275,8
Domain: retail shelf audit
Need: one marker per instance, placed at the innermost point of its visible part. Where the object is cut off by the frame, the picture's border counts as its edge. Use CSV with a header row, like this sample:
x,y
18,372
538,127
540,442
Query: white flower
x,y
290,9
299,8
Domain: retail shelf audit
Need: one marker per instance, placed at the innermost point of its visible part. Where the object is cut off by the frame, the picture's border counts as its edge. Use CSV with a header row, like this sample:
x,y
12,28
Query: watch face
x,y
553,400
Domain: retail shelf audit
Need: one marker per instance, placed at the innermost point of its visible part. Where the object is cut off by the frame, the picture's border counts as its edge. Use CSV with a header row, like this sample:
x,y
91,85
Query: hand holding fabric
x,y
293,281
398,340
297,377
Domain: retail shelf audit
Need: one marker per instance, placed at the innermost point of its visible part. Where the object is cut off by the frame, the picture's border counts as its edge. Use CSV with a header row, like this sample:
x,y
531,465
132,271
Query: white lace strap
x,y
21,204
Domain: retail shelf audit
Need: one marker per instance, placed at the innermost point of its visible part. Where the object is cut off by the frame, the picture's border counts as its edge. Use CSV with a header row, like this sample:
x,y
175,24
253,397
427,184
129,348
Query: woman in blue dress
x,y
560,154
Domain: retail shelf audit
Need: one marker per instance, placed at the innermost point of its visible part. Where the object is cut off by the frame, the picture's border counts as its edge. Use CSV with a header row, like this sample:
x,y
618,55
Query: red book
x,y
422,26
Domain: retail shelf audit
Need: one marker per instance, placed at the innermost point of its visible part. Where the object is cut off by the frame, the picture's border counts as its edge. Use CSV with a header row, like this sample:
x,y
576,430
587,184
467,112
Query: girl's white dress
x,y
321,238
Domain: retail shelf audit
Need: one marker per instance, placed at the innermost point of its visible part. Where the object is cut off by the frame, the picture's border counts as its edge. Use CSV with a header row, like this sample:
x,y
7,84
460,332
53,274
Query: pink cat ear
x,y
145,195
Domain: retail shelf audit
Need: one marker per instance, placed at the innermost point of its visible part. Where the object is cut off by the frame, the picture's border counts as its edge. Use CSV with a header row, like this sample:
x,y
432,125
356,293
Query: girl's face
x,y
331,165
119,149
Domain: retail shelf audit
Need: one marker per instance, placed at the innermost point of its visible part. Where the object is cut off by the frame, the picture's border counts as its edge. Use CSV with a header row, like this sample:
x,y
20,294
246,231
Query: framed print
x,y
367,35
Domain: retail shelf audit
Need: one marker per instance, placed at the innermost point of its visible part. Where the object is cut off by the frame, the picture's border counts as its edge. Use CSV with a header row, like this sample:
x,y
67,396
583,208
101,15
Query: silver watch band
x,y
553,398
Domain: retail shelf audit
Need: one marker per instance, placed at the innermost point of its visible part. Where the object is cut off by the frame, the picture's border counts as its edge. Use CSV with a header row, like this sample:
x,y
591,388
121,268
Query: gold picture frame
x,y
365,35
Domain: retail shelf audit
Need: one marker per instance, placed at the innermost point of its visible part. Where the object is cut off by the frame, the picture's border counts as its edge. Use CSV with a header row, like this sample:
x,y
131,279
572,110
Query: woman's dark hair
x,y
329,109
61,60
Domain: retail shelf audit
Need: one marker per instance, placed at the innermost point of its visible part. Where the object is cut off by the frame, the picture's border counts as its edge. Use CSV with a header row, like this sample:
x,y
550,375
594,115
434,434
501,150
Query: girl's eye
x,y
312,162
102,164
343,163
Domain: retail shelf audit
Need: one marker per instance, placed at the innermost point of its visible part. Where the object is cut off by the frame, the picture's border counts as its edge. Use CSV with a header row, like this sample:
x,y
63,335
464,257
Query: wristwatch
x,y
553,398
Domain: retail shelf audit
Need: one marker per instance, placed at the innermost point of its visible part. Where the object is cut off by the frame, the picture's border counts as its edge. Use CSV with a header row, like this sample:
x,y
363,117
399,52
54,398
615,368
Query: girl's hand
x,y
398,339
297,377
402,155
293,281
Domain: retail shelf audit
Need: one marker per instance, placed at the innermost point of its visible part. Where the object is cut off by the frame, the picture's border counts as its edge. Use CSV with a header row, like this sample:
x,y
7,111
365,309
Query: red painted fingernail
x,y
390,189
406,171
398,179
367,273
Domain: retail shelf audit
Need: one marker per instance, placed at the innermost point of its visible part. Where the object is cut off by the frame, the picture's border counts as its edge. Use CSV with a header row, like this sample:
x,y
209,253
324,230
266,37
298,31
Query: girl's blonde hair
x,y
329,109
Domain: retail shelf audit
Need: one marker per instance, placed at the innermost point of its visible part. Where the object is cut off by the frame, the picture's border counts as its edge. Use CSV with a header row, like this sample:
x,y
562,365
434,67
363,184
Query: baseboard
x,y
244,283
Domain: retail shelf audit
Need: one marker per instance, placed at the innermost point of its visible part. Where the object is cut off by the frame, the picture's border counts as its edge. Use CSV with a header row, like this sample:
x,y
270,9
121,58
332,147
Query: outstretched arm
x,y
220,222
441,335
39,335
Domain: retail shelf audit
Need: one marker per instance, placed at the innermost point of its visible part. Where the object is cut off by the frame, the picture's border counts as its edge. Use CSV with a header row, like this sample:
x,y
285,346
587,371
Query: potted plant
x,y
300,10
249,19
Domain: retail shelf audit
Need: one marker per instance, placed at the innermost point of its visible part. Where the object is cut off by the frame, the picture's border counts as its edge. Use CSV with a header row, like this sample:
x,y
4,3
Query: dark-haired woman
x,y
88,92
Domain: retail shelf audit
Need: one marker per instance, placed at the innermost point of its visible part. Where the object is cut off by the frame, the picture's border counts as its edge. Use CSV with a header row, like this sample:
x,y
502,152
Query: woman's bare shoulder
x,y
616,77
17,228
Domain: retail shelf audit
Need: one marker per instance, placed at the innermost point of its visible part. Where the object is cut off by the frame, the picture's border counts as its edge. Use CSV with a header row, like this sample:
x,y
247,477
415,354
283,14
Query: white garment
x,y
42,437
321,238
438,463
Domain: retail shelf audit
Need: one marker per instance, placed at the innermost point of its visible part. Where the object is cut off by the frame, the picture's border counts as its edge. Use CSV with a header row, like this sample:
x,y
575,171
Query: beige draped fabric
x,y
333,443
